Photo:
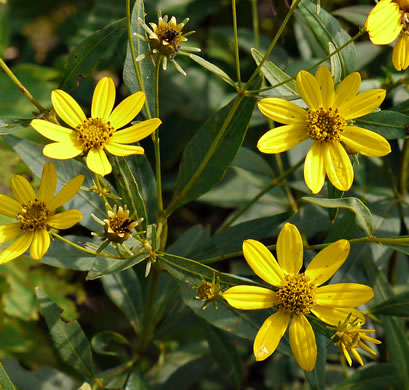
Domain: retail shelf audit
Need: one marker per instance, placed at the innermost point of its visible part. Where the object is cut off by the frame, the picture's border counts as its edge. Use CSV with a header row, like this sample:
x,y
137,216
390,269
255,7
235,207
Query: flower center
x,y
168,34
94,132
350,337
403,4
325,125
297,294
34,215
207,291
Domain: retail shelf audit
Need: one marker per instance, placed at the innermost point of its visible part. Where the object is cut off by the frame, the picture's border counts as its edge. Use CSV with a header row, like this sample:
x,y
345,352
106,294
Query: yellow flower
x,y
296,294
118,227
327,122
36,214
388,20
100,132
349,336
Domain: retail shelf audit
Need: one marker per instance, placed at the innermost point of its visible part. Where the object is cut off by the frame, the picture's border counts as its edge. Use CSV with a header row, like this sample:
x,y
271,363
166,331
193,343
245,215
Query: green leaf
x,y
125,291
373,376
8,125
5,382
275,75
355,14
136,381
363,217
128,189
327,29
68,337
146,66
225,354
389,124
191,184
110,343
399,248
397,305
86,56
214,69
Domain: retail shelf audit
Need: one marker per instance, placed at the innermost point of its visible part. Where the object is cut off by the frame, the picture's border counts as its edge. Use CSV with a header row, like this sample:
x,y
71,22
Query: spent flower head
x,y
36,214
388,20
118,227
327,122
100,132
295,295
208,292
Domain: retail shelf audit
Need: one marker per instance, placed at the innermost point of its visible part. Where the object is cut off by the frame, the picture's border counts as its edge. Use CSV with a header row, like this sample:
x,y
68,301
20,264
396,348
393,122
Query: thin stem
x,y
254,13
404,167
287,189
277,36
236,43
21,87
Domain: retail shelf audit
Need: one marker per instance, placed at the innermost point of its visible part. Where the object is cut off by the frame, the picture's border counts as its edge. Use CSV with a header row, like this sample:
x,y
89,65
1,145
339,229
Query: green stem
x,y
404,167
135,63
236,43
212,150
274,183
277,36
21,87
254,13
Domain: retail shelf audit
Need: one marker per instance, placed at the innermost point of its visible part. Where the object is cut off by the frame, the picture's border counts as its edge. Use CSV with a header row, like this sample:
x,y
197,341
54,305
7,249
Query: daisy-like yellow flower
x,y
327,122
349,336
388,20
99,133
36,214
296,294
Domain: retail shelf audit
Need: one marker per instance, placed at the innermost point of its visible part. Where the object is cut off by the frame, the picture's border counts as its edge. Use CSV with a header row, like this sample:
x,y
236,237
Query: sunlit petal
x,y
9,206
347,88
22,189
97,161
400,55
262,262
67,192
9,232
326,83
61,151
67,108
324,265
302,342
282,111
250,297
282,138
48,183
346,354
65,220
123,150
338,165
52,131
343,295
362,104
17,248
336,315
40,244
314,168
309,90
290,249
103,99
270,334
127,110
136,132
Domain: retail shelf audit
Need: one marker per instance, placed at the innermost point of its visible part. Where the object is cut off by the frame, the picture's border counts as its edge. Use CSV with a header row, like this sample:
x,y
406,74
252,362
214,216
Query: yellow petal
x,y
290,249
48,183
103,99
52,131
314,168
136,132
40,244
9,206
326,83
362,104
97,161
262,262
336,315
250,297
270,334
67,108
22,189
346,354
62,151
65,220
384,22
127,110
347,89
17,248
9,232
365,141
400,55
302,342
338,165
123,150
282,111
67,192
357,356
309,90
343,295
282,138
324,265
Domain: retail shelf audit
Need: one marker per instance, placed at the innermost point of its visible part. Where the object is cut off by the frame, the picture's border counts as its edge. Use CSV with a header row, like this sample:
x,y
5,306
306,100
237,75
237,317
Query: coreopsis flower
x,y
165,40
100,132
388,20
118,227
328,122
349,336
295,295
36,214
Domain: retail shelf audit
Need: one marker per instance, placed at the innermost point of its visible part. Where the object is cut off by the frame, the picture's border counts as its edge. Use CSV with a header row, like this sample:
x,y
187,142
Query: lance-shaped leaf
x,y
110,343
8,125
69,339
389,124
397,305
85,57
5,382
363,217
